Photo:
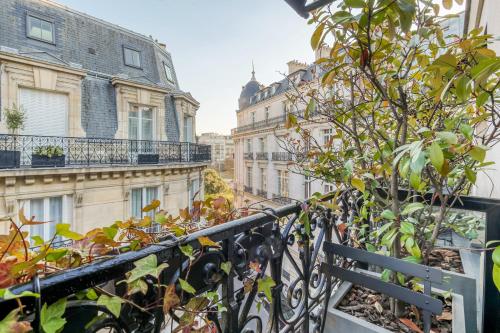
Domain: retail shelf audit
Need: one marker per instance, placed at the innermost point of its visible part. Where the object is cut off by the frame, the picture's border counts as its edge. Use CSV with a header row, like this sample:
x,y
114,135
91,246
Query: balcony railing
x,y
261,156
26,151
261,124
262,193
248,189
281,199
248,156
255,246
282,156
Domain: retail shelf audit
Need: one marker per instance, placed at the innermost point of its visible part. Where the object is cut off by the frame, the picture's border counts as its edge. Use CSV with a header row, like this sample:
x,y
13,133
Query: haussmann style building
x,y
107,101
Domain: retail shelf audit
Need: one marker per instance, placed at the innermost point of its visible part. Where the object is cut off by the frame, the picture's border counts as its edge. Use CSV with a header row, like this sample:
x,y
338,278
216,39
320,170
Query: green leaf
x,y
358,184
316,36
436,156
386,274
496,276
91,294
113,304
342,17
418,162
446,61
110,232
384,228
7,324
355,3
478,153
407,228
462,88
470,174
51,317
37,240
311,106
388,215
448,137
186,286
187,250
226,267
412,208
370,247
55,254
496,256
62,229
401,278
467,131
6,294
415,180
482,98
264,285
146,266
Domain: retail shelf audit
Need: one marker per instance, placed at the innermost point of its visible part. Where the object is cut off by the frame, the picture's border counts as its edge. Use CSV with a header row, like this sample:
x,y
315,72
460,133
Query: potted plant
x,y
408,110
148,158
48,156
14,119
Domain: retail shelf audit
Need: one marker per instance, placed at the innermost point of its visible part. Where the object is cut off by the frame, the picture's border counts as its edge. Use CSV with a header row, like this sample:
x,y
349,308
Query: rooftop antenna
x,y
253,71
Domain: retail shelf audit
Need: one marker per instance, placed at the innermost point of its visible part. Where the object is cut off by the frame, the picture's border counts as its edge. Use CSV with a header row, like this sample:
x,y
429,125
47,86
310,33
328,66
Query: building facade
x,y
264,168
108,100
222,148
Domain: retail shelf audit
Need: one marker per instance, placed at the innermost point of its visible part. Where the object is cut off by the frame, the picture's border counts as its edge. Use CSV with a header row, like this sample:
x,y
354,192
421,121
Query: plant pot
x,y
339,321
42,161
148,158
10,159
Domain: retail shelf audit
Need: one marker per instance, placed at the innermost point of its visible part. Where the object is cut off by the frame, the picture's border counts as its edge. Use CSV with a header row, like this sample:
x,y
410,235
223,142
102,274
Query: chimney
x,y
322,52
295,65
163,45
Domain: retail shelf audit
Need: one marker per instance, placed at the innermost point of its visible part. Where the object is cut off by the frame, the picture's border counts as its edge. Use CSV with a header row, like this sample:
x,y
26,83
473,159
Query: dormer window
x,y
132,57
168,72
40,29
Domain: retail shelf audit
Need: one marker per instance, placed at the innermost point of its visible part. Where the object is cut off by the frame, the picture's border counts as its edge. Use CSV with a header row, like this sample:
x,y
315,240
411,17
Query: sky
x,y
213,44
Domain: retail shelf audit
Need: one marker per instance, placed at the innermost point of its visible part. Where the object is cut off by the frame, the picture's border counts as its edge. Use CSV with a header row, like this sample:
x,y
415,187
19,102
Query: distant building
x,y
222,148
108,99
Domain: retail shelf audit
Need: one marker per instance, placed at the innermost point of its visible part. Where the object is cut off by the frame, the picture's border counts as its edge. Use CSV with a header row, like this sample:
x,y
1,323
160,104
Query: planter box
x,y
41,161
10,159
339,321
148,158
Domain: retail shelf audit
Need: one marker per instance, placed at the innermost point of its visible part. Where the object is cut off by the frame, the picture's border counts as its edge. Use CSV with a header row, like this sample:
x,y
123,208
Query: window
x,y
141,197
327,136
132,57
168,72
52,210
307,187
262,145
40,29
249,176
194,192
328,188
263,179
249,146
253,118
188,129
267,113
140,123
283,183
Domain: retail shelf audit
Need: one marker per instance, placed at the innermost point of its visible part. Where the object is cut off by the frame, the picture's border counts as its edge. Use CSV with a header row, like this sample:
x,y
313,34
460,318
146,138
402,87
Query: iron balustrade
x,y
300,298
262,193
248,189
261,124
282,156
261,156
22,151
282,200
248,156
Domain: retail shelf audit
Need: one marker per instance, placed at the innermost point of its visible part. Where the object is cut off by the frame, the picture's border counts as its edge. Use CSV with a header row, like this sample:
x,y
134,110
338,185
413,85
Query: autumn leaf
x,y
170,299
205,241
10,324
411,325
446,315
255,266
358,184
6,277
152,206
62,229
25,221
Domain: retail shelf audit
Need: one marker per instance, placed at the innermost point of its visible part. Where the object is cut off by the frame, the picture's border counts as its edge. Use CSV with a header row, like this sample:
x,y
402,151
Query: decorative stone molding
x,y
29,180
48,179
93,176
64,178
10,181
10,205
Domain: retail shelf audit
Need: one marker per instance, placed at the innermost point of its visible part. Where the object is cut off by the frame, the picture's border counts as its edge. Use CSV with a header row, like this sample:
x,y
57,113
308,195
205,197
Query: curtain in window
x,y
151,194
55,215
136,202
36,210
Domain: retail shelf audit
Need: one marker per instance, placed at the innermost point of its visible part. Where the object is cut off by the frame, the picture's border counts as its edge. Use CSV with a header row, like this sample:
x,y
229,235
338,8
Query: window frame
x,y
30,15
169,66
125,58
144,202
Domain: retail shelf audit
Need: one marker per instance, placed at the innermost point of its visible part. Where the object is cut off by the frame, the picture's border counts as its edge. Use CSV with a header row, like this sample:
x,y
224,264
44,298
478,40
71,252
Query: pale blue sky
x,y
213,43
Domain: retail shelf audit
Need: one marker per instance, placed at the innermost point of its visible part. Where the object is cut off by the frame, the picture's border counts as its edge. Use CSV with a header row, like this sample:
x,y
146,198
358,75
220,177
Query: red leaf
x,y
411,325
341,227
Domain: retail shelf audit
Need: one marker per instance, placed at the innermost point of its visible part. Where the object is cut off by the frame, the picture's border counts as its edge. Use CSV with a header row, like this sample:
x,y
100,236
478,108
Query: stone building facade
x,y
222,148
86,84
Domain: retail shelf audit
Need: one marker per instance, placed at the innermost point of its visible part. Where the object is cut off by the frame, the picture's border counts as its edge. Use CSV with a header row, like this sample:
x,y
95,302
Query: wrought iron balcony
x,y
261,156
248,189
261,124
248,156
282,156
28,151
281,199
255,246
262,193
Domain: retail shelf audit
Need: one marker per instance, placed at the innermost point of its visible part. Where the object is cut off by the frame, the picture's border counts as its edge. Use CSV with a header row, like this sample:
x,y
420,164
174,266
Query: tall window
x,y
51,210
283,183
142,197
188,129
263,179
307,187
168,72
140,123
132,57
194,192
249,145
327,136
328,188
262,145
249,176
267,113
40,29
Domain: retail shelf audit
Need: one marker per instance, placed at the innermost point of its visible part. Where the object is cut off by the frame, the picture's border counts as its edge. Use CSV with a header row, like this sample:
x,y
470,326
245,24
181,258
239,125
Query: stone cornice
x,y
10,57
116,81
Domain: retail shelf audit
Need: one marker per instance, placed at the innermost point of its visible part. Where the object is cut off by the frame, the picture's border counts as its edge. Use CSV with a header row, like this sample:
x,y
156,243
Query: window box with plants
x,y
48,156
10,157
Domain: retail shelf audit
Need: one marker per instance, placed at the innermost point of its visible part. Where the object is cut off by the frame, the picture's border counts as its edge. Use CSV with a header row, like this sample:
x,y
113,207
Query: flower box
x,y
42,161
148,158
10,159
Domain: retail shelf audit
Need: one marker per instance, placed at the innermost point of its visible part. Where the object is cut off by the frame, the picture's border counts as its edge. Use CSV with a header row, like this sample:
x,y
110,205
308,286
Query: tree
x,y
409,108
215,186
